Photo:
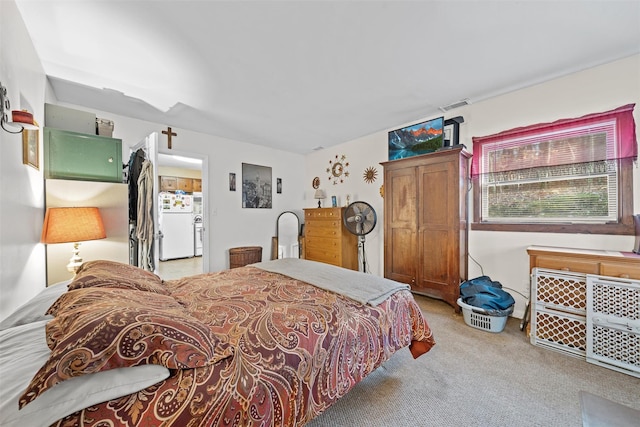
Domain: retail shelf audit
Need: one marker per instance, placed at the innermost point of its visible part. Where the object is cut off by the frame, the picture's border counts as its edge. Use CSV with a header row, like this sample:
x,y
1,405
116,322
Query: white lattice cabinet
x,y
558,318
613,323
586,304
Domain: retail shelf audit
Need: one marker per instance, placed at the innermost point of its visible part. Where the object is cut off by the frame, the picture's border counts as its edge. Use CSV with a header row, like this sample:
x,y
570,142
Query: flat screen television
x,y
413,140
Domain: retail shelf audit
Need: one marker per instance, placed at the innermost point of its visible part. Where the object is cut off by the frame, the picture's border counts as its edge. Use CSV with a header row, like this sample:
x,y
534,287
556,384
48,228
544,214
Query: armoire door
x,y
438,230
400,225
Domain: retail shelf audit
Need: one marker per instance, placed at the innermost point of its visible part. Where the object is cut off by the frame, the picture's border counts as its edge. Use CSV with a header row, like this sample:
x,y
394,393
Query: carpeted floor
x,y
477,378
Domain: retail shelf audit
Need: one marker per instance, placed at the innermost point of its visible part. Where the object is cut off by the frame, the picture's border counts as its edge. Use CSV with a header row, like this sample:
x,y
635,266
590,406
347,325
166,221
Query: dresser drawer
x,y
620,269
326,213
323,255
323,229
324,243
567,264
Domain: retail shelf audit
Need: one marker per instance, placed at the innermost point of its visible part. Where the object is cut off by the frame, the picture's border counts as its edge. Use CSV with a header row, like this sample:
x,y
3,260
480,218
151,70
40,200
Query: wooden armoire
x,y
425,222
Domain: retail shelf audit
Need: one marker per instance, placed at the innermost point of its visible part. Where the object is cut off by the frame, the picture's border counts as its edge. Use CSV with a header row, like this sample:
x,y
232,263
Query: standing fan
x,y
360,219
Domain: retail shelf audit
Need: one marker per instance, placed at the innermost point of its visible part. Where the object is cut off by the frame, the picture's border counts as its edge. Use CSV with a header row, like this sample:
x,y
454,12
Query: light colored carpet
x,y
477,378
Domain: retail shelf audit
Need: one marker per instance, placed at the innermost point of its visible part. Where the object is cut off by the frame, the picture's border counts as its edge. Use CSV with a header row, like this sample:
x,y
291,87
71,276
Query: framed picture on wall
x,y
452,131
30,149
417,139
232,181
256,186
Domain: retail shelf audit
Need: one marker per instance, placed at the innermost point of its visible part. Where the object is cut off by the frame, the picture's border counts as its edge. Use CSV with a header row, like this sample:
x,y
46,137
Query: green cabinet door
x,y
72,155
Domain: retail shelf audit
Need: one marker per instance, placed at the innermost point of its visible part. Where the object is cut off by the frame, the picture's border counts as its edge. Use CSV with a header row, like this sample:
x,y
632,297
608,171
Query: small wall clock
x,y
337,169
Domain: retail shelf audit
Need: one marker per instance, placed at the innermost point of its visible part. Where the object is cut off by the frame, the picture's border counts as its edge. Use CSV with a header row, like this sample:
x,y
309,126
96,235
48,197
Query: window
x,y
570,176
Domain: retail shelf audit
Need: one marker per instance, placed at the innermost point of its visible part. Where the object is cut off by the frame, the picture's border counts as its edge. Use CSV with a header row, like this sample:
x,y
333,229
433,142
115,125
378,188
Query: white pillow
x,y
35,309
23,350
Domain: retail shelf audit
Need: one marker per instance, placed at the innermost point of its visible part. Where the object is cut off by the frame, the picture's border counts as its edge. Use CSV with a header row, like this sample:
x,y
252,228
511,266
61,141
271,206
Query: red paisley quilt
x,y
290,351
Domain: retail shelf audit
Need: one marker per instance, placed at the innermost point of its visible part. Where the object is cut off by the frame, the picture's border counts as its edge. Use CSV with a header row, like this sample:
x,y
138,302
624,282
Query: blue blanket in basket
x,y
485,293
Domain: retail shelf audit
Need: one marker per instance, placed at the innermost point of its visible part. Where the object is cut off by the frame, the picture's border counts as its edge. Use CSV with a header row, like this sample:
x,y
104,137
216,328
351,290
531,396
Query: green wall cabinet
x,y
72,155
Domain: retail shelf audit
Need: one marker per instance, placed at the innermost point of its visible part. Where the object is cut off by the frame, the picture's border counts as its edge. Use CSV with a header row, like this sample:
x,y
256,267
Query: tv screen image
x,y
413,140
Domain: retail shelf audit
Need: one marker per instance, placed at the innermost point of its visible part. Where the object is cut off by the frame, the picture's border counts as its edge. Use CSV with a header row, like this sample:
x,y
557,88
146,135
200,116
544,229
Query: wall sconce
x,y
21,119
72,225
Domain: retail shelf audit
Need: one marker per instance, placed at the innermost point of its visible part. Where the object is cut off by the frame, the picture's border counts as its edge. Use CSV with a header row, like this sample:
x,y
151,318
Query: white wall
x,y
226,222
22,262
502,255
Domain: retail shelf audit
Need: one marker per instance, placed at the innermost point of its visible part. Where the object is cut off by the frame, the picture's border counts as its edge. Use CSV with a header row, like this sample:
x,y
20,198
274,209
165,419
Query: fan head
x,y
360,218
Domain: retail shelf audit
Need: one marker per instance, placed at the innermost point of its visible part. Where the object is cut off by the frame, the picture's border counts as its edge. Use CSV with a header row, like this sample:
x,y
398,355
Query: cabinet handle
x,y
565,269
110,159
624,276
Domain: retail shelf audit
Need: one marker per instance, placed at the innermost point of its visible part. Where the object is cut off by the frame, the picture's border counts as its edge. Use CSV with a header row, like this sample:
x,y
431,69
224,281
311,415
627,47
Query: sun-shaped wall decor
x,y
337,169
370,175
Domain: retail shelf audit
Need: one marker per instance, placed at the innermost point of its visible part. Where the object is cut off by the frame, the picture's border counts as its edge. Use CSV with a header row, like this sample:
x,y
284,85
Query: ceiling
x,y
298,75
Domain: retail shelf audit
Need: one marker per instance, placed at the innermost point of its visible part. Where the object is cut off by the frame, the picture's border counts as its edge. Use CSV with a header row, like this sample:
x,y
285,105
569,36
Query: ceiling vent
x,y
455,105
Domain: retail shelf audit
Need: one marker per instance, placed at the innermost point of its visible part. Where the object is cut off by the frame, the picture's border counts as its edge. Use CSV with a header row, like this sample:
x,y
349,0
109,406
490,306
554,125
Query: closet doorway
x,y
182,214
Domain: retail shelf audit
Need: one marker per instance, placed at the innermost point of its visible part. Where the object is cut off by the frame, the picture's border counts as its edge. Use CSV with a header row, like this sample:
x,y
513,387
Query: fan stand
x,y
364,258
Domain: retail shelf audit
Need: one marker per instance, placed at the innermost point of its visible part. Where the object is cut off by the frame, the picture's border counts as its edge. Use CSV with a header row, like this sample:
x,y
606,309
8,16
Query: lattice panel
x,y
615,300
613,323
563,291
564,332
619,347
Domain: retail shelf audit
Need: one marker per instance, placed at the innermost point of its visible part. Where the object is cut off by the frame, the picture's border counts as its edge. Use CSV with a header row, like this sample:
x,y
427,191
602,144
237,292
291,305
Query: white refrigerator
x,y
175,221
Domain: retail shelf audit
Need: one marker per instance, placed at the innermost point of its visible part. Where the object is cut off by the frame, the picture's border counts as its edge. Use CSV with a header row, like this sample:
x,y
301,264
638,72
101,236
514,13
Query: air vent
x,y
458,104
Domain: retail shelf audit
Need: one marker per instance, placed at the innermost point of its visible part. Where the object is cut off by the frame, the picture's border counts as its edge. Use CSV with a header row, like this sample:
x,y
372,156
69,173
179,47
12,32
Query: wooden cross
x,y
169,135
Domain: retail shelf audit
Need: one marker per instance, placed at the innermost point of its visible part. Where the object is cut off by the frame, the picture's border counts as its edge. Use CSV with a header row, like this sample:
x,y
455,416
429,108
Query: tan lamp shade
x,y
319,195
72,225
64,225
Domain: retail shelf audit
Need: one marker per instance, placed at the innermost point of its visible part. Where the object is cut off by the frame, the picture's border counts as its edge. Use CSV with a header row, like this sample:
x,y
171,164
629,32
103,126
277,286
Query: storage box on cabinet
x,y
72,155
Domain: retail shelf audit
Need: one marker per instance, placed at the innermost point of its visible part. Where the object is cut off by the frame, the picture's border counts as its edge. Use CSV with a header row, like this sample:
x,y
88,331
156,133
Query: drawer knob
x,y
110,159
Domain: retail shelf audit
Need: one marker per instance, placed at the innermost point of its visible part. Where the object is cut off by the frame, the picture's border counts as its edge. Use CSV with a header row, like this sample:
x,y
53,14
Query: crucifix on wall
x,y
169,135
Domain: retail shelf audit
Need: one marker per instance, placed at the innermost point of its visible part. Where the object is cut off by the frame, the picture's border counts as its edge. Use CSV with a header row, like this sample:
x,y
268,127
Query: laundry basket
x,y
479,318
239,257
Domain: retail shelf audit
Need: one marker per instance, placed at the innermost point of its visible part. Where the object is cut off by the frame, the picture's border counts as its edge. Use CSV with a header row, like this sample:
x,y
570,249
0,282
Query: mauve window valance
x,y
608,135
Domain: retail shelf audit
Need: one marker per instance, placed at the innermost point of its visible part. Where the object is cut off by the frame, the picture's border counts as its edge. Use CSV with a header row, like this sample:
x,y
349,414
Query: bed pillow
x,y
36,308
113,274
99,329
23,351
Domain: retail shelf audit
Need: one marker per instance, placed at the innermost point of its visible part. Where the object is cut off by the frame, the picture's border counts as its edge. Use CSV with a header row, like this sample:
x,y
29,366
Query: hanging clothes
x,y
144,225
135,167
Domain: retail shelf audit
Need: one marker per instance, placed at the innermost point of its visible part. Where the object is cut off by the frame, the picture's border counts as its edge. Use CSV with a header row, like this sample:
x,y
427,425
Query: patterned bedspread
x,y
296,349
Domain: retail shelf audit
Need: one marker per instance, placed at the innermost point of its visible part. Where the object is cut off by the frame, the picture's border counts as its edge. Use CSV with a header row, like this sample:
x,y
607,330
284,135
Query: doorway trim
x,y
205,198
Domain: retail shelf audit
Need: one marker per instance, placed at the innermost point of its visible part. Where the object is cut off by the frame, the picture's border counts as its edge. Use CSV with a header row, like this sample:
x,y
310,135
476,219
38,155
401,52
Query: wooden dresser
x,y
327,240
624,265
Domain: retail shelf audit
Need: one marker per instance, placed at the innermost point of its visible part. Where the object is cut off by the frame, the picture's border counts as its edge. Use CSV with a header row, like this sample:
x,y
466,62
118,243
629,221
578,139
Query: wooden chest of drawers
x,y
625,265
327,240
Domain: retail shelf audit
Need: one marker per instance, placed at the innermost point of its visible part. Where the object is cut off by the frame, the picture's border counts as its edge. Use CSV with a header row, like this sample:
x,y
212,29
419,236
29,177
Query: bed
x,y
269,344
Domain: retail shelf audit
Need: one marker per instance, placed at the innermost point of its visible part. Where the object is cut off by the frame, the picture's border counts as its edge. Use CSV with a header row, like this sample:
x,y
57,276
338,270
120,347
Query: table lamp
x,y
72,225
319,195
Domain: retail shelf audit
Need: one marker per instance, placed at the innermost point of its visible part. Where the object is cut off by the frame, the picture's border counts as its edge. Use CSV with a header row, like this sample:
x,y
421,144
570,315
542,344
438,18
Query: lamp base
x,y
75,261
319,204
